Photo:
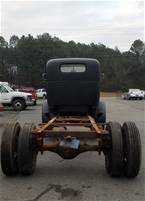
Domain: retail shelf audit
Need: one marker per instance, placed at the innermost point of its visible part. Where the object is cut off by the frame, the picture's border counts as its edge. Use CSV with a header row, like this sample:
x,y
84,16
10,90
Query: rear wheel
x,y
9,149
27,152
100,113
46,116
114,155
132,149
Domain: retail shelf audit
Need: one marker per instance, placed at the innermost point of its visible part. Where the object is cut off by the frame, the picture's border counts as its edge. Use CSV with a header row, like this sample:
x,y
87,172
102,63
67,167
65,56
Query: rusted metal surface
x,y
49,136
70,121
94,124
42,128
71,124
77,134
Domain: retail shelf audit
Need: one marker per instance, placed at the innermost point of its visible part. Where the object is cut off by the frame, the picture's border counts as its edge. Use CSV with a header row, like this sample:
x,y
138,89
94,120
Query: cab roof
x,y
92,71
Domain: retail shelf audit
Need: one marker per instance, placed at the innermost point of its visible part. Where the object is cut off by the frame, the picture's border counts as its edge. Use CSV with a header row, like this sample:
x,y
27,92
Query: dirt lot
x,y
83,178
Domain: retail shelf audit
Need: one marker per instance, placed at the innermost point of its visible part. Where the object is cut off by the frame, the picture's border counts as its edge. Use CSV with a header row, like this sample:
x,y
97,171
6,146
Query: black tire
x,y
46,116
9,143
132,149
35,103
100,113
18,104
44,96
27,152
114,155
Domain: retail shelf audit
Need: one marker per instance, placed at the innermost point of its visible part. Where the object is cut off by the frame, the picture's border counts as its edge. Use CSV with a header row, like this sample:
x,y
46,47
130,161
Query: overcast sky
x,y
113,23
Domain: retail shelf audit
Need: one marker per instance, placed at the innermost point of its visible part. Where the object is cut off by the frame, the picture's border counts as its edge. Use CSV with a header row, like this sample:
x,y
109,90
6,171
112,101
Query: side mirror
x,y
44,76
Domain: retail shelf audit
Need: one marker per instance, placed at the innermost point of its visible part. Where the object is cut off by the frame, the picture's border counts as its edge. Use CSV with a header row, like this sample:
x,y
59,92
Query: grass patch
x,y
110,94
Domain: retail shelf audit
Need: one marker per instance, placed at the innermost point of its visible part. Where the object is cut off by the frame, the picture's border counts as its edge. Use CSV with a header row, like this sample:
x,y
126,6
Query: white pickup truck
x,y
133,94
18,100
41,93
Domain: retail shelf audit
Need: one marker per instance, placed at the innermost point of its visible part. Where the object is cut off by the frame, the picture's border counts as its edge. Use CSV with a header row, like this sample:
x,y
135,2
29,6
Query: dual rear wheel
x,y
124,155
18,153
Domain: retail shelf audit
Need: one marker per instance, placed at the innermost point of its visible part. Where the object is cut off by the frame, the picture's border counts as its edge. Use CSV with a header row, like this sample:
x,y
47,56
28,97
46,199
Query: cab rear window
x,y
72,68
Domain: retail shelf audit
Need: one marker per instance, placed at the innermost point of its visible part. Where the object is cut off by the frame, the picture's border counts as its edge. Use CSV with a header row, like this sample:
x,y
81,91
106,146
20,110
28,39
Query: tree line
x,y
23,60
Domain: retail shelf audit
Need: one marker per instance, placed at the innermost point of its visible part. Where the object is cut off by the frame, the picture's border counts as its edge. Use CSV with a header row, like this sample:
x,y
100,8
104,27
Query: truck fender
x,y
45,112
101,113
15,97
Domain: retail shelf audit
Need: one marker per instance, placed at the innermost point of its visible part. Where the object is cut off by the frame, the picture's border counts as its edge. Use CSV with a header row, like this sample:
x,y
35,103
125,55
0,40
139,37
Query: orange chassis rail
x,y
68,128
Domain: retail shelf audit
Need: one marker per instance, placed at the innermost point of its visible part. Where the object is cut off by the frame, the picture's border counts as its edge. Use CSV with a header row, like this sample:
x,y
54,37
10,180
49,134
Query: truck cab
x,y
72,87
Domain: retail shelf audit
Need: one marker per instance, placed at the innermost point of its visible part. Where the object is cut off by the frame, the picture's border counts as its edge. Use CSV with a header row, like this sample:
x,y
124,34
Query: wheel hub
x,y
18,105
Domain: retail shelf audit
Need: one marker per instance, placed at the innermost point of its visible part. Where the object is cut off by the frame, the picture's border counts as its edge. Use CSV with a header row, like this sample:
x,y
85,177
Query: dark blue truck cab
x,y
73,88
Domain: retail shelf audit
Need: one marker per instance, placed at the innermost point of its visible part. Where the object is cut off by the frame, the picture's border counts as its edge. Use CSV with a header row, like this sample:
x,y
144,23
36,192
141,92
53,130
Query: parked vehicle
x,y
41,93
73,100
143,93
1,108
1,114
133,94
4,83
30,90
18,100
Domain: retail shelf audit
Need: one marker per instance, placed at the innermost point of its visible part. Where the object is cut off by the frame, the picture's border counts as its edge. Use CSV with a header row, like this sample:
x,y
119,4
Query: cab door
x,y
4,95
